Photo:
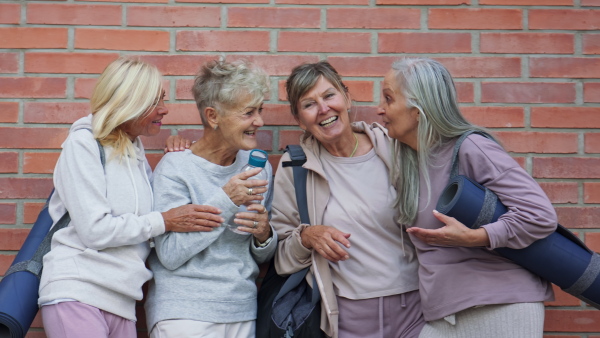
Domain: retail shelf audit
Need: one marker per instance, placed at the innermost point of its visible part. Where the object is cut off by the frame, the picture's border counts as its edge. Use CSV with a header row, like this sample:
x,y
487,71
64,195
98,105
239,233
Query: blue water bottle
x,y
257,159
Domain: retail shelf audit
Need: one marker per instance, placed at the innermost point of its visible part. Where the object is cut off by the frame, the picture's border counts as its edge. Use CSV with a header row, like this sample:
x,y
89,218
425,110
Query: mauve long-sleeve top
x,y
456,278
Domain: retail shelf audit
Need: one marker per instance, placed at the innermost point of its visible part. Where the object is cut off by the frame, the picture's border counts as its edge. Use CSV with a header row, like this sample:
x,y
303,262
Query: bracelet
x,y
265,243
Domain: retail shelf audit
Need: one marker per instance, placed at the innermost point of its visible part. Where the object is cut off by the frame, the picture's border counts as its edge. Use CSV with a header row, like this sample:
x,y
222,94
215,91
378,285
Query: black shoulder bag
x,y
288,306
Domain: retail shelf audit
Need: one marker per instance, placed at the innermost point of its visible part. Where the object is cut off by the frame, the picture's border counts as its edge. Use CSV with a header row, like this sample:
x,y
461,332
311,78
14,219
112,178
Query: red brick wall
x,y
528,69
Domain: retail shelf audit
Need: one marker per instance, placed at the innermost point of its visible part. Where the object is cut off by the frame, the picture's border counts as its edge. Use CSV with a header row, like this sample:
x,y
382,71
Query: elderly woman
x,y
204,285
466,289
94,273
359,254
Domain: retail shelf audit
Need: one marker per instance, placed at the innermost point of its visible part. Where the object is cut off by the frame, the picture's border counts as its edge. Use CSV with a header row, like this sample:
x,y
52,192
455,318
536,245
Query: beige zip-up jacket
x,y
291,255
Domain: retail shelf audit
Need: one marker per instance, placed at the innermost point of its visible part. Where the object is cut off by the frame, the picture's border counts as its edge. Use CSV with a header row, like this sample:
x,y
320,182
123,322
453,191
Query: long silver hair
x,y
427,86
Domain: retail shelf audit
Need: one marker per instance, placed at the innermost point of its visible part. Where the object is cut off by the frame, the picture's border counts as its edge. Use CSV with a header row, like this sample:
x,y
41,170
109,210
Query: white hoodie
x,y
98,259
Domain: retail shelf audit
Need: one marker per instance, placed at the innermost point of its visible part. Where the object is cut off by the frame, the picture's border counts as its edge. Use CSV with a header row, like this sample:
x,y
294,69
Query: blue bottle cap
x,y
258,158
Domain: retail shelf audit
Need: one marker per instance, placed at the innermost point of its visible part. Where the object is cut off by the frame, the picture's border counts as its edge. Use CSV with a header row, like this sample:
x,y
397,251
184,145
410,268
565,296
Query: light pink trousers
x,y
79,320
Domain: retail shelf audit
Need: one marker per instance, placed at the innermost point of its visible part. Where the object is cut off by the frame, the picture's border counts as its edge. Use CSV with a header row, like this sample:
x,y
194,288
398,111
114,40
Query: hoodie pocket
x,y
120,270
59,268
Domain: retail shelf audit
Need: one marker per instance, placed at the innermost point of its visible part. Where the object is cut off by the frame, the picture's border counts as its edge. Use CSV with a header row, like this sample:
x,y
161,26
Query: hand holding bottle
x,y
252,213
255,221
243,191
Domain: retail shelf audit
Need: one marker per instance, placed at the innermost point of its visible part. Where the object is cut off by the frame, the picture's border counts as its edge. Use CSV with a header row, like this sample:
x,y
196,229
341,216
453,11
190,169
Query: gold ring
x,y
250,191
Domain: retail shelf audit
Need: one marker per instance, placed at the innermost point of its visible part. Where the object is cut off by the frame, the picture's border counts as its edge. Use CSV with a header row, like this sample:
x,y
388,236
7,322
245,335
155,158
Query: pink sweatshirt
x,y
456,278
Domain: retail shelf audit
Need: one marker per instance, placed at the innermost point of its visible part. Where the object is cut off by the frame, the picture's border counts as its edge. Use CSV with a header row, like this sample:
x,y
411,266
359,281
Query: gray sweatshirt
x,y
98,259
205,276
456,278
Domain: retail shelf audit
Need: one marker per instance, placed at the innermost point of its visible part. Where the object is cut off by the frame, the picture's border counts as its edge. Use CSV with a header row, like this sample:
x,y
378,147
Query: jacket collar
x,y
376,133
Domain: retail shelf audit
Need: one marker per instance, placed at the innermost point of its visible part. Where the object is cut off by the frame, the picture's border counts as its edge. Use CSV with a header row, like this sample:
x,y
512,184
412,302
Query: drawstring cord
x,y
402,230
381,314
381,317
134,186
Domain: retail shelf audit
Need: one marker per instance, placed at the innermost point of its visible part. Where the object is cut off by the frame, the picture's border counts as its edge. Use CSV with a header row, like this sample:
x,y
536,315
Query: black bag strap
x,y
35,264
298,158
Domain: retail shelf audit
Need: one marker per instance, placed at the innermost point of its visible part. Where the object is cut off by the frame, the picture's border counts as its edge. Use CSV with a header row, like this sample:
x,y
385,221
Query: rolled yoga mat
x,y
561,258
19,289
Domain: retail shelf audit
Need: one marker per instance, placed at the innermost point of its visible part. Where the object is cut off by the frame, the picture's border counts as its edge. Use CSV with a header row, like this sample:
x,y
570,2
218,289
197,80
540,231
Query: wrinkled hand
x,y
238,188
453,233
326,240
261,229
192,217
176,143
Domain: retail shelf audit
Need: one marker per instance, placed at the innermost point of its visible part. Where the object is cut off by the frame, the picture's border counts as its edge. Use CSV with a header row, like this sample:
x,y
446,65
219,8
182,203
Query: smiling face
x,y
238,126
323,112
402,122
149,123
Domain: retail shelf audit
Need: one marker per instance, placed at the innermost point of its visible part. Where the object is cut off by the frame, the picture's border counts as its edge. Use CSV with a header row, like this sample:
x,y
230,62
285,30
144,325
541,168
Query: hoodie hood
x,y
82,123
86,123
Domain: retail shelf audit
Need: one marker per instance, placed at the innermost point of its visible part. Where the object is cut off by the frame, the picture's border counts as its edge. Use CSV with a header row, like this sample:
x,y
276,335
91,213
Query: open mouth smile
x,y
329,121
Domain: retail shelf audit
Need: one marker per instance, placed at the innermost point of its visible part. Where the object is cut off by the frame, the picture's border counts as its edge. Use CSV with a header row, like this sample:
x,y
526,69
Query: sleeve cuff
x,y
157,224
493,236
301,252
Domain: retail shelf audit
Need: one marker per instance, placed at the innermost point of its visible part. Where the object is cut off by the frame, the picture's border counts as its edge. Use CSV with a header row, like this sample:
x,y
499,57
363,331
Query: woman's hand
x,y
177,143
454,233
326,241
241,190
256,223
192,217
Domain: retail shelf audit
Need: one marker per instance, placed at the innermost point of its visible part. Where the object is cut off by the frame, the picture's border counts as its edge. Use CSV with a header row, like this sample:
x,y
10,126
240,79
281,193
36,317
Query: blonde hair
x,y
127,90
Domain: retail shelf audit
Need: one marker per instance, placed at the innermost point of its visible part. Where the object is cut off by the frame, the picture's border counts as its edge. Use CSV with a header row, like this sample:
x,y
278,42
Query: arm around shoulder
x,y
191,227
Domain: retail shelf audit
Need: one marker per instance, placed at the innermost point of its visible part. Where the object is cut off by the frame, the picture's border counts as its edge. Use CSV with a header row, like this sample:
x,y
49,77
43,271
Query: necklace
x,y
355,146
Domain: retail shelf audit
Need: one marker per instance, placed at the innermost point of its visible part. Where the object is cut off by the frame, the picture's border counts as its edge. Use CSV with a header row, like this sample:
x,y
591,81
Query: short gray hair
x,y
220,84
427,86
